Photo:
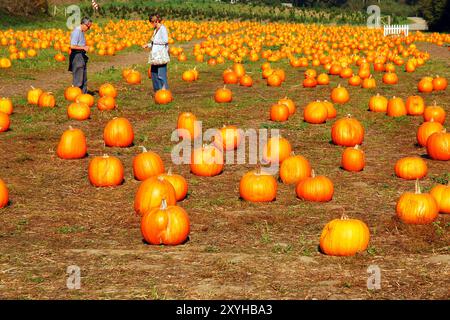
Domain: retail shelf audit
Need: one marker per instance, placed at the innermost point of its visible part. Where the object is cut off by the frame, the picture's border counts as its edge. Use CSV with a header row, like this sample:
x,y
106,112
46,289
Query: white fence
x,y
396,29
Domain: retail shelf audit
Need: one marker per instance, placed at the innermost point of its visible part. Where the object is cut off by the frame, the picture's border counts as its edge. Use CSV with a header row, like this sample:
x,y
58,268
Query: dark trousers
x,y
159,77
79,72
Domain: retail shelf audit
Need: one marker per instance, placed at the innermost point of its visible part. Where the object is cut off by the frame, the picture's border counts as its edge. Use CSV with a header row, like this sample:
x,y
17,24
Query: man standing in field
x,y
78,58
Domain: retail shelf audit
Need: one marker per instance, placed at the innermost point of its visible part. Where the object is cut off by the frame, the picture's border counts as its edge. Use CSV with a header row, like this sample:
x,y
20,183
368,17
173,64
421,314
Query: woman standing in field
x,y
159,53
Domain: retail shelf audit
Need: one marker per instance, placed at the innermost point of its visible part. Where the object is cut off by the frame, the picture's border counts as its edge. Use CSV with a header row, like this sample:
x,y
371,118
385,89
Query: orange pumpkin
x,y
378,103
4,194
258,186
33,95
441,194
133,77
106,171
163,96
187,126
438,146
331,111
230,77
415,105
71,93
323,79
78,111
107,90
274,80
246,81
147,164
289,103
439,83
315,112
106,103
118,133
223,95
168,225
435,113
294,169
276,150
344,237
279,112
206,161
151,193
426,129
47,100
396,107
390,78
6,106
340,95
178,183
353,159
4,122
229,138
347,132
411,168
315,188
72,144
425,85
417,208
85,98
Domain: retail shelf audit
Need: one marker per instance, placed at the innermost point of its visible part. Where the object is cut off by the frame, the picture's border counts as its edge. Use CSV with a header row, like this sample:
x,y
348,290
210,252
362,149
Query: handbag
x,y
159,57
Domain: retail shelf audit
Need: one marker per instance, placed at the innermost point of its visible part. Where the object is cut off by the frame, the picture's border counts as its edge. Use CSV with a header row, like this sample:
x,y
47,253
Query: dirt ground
x,y
236,250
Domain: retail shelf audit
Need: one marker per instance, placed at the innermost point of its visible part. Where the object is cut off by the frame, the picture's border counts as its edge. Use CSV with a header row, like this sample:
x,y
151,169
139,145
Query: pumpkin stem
x,y
417,187
144,149
313,174
344,216
169,172
70,128
105,155
163,204
356,147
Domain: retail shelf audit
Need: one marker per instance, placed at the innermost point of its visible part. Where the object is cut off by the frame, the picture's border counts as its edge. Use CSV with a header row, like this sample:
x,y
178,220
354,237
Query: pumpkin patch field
x,y
362,162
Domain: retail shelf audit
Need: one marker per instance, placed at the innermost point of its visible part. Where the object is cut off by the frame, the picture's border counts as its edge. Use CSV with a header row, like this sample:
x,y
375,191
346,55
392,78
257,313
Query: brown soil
x,y
236,249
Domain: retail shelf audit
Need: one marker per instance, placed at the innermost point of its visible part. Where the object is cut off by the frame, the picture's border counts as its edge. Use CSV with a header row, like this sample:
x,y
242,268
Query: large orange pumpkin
x,y
118,133
347,132
434,112
207,161
105,171
4,194
396,107
353,159
71,93
178,182
315,188
33,95
415,105
438,146
279,112
340,95
441,194
417,208
223,95
411,168
315,112
168,225
5,122
187,126
426,129
229,138
378,103
147,164
78,111
294,169
72,144
344,237
6,106
276,150
163,96
107,90
47,100
258,186
151,193
106,103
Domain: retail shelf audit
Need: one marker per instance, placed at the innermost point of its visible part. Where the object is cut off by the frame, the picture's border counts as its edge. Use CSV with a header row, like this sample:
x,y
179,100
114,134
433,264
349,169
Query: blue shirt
x,y
77,37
